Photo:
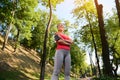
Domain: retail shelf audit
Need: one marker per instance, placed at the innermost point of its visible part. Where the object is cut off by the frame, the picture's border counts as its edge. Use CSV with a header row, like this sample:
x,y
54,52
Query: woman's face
x,y
61,28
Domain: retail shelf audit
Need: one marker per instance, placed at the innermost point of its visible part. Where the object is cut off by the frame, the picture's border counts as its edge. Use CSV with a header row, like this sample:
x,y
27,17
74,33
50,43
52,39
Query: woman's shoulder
x,y
61,34
57,33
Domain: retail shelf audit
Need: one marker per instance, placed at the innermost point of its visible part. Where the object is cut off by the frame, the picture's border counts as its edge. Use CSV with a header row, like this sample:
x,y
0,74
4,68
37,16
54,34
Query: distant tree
x,y
19,14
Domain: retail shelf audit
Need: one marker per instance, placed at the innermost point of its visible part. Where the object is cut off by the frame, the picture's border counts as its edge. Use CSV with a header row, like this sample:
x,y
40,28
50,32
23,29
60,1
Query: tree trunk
x,y
107,67
118,9
16,40
6,36
95,48
43,60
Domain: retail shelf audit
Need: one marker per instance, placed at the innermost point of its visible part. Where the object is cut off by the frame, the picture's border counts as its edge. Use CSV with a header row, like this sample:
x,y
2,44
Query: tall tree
x,y
50,4
43,59
107,67
83,11
94,43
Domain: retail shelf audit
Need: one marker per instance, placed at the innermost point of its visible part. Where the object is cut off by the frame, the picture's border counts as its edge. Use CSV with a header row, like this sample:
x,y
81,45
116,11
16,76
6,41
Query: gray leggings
x,y
62,57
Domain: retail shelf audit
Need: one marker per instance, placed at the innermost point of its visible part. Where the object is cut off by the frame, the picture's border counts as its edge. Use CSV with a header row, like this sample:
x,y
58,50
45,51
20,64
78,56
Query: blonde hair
x,y
60,24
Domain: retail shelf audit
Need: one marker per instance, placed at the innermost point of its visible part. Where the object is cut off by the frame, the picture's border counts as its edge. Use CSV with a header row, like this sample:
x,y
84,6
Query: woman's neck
x,y
60,31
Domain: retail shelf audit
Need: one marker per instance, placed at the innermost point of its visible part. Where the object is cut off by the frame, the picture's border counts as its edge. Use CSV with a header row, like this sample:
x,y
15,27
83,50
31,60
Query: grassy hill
x,y
20,65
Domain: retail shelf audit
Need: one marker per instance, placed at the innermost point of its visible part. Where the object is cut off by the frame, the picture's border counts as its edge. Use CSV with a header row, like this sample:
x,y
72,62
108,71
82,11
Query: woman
x,y
62,55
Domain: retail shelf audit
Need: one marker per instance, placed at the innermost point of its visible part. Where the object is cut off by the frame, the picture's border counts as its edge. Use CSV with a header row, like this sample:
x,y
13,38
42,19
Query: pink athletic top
x,y
63,46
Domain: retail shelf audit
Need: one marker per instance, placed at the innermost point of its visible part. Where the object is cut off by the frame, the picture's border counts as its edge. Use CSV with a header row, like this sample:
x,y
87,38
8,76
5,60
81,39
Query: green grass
x,y
61,77
12,75
106,78
16,75
37,75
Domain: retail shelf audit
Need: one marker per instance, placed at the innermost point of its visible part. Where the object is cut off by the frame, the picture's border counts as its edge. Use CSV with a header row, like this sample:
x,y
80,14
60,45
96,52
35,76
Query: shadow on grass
x,y
8,73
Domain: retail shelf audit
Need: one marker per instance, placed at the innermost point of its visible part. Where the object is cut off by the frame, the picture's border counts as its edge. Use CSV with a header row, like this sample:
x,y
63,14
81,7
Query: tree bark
x,y
118,9
43,60
107,67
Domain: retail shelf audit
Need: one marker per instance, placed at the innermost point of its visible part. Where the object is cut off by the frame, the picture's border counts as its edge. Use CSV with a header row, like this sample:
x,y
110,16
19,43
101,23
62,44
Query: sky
x,y
63,10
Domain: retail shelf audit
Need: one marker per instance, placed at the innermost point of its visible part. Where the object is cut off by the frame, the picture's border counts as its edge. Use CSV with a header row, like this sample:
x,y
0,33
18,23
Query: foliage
x,y
18,15
25,17
82,11
112,27
53,2
105,78
6,8
83,15
78,60
38,31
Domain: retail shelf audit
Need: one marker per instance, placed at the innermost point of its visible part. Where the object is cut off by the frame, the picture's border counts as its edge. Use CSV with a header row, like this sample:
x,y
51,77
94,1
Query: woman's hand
x,y
64,42
69,41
